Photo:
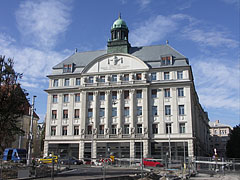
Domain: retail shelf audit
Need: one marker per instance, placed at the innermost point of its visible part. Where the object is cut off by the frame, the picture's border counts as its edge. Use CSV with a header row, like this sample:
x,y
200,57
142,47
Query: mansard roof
x,y
149,54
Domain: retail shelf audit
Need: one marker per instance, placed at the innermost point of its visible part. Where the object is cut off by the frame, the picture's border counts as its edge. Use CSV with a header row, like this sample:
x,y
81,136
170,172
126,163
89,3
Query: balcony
x,y
168,118
65,121
127,119
53,121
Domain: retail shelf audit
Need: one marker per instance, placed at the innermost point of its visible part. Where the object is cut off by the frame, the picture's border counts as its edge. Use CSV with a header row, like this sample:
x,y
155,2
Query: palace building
x,y
123,101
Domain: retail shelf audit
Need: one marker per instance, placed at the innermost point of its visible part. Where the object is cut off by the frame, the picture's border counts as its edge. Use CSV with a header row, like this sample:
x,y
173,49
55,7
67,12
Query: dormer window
x,y
166,60
138,76
67,68
90,80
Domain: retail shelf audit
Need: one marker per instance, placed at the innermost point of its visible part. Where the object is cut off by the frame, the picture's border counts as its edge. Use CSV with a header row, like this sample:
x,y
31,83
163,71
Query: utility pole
x,y
30,136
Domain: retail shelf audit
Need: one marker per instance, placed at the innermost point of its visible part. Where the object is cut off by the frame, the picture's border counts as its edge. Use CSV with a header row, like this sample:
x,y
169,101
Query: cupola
x,y
119,37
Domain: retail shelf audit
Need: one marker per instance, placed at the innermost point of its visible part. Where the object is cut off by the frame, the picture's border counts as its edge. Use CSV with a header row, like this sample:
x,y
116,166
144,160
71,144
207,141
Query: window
x,y
114,111
90,96
166,60
90,113
89,129
139,128
102,96
168,110
114,129
76,113
65,114
166,93
55,83
101,129
154,110
90,79
181,109
168,128
78,81
77,97
139,94
138,76
166,76
126,111
102,79
65,98
179,75
76,130
67,68
64,130
114,78
155,128
126,129
114,94
180,92
126,77
66,82
54,114
153,76
102,112
154,93
53,130
126,94
55,98
182,128
139,110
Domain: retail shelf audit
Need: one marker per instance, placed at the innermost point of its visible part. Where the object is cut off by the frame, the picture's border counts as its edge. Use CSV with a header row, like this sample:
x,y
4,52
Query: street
x,y
87,172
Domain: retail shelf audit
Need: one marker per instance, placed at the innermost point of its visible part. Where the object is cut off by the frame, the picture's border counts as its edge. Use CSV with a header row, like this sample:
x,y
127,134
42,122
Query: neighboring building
x,y
21,141
219,137
109,102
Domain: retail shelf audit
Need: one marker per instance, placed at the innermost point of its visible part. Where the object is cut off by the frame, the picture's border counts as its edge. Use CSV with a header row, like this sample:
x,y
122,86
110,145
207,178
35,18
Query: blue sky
x,y
38,34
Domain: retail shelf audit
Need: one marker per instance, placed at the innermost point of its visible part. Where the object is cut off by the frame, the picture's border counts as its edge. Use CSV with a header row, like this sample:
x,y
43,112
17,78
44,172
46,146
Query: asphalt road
x,y
87,172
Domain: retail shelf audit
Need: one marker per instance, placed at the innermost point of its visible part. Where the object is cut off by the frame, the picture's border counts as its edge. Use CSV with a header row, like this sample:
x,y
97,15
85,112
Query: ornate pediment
x,y
115,62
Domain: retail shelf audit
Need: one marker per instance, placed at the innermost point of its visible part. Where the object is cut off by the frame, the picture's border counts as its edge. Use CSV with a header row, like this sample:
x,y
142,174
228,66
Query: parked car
x,y
71,160
48,159
15,155
152,162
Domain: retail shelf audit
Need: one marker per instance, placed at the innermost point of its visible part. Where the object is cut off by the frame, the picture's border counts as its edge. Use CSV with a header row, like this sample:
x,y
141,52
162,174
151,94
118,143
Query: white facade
x,y
118,100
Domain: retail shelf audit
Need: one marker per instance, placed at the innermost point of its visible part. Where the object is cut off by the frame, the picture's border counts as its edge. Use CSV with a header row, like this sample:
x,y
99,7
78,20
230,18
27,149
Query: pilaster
x,y
132,112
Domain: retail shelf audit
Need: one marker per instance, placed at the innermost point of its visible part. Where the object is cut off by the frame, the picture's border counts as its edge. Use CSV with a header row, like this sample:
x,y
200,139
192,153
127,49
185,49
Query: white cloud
x,y
214,38
159,27
41,22
35,64
152,30
235,2
143,3
217,83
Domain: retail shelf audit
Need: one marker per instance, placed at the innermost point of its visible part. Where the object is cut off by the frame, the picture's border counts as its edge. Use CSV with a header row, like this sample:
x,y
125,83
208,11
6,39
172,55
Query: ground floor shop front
x,y
119,149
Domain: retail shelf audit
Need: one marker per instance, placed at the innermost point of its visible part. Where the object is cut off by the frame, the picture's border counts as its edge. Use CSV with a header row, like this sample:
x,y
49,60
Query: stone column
x,y
146,148
94,150
132,150
81,150
146,115
108,111
45,150
174,111
59,115
49,115
132,112
119,113
70,113
95,109
83,101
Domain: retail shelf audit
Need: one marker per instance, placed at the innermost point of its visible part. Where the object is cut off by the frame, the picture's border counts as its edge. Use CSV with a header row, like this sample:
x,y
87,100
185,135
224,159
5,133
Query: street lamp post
x,y
30,136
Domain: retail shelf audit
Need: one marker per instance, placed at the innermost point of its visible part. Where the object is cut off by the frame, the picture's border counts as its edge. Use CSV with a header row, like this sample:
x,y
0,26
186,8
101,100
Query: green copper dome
x,y
119,23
